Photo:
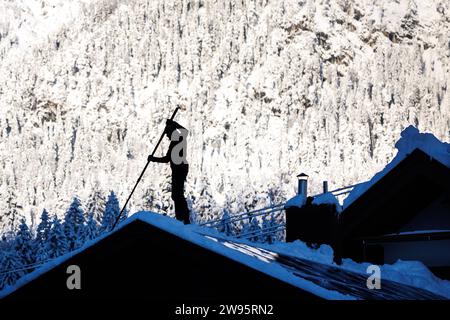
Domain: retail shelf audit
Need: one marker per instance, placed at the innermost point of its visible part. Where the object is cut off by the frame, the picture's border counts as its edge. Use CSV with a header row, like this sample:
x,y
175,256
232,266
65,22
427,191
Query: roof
x,y
321,280
411,139
397,196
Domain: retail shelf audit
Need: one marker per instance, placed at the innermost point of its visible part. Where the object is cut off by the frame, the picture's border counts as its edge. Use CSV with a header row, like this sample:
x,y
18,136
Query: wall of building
x,y
434,253
434,217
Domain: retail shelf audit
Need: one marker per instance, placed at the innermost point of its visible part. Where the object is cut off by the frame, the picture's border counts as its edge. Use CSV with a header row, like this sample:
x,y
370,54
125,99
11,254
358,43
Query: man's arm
x,y
164,159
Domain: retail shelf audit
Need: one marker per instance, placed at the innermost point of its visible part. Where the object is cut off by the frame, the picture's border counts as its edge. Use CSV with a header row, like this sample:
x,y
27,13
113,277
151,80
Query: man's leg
x,y
181,207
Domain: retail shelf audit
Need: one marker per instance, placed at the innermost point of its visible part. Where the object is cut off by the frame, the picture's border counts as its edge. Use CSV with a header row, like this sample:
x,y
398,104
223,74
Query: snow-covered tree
x,y
269,226
292,92
74,225
6,242
96,205
24,245
91,229
11,268
11,217
42,236
57,243
225,223
112,210
194,217
251,230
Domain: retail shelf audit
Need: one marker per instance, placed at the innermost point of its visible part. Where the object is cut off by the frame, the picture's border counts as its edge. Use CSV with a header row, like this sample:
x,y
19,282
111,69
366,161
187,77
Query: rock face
x,y
270,88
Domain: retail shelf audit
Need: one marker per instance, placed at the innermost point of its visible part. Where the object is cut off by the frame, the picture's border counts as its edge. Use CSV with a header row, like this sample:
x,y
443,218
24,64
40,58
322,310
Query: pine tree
x,y
74,225
268,226
112,211
24,245
12,215
6,242
278,235
193,214
91,230
11,268
96,205
225,224
267,236
42,236
57,243
251,230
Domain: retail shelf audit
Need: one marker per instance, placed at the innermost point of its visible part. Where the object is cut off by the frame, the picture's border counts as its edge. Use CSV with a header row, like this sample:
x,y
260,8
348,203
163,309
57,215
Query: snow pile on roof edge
x,y
412,273
298,201
327,198
410,140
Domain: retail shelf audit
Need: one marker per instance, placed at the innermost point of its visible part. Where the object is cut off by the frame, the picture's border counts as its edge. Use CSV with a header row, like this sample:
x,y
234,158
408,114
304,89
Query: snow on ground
x,y
410,140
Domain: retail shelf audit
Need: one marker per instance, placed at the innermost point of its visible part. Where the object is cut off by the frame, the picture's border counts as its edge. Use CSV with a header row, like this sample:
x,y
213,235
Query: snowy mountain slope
x,y
271,88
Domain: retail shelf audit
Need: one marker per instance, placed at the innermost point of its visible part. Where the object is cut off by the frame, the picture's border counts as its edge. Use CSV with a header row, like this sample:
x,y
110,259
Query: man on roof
x,y
176,156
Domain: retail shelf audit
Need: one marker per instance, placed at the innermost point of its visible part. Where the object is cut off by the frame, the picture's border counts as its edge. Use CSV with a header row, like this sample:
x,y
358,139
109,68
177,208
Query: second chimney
x,y
302,184
325,186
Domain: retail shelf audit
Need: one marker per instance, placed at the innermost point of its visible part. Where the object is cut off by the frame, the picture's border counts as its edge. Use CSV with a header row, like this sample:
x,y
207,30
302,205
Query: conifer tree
x,y
24,245
57,243
251,230
74,225
92,229
112,211
96,205
42,236
11,268
225,224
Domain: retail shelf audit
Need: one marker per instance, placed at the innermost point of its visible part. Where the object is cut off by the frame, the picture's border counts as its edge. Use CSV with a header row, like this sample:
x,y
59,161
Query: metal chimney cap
x,y
302,175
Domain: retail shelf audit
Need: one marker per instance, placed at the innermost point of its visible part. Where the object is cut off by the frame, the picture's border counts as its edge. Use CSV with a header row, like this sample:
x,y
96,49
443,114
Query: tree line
x,y
27,249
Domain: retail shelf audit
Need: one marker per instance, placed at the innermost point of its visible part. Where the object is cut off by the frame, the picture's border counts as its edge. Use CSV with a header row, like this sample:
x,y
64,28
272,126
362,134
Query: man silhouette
x,y
177,158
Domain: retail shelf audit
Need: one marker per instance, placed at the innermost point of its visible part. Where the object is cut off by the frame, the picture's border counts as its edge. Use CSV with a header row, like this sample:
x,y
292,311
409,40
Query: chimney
x,y
325,186
302,184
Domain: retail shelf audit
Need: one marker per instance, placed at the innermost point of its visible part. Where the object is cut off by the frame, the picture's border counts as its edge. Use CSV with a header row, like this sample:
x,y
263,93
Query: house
x,y
404,215
403,212
153,257
158,259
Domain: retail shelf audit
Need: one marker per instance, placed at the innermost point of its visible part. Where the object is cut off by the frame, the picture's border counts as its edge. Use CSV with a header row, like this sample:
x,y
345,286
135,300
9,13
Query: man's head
x,y
171,126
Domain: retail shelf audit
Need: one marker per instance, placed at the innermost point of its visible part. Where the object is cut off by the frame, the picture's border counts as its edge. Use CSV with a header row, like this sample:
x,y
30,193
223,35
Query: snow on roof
x,y
194,234
298,201
327,198
410,140
266,258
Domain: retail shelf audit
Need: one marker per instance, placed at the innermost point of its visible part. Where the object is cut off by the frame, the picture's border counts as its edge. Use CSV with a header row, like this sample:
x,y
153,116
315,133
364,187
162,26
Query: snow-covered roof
x,y
327,198
311,270
196,235
298,201
410,140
